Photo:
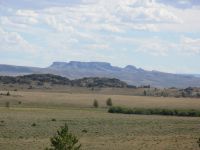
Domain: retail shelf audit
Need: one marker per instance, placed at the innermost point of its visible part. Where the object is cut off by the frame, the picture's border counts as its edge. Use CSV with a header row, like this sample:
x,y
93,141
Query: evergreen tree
x,y
64,140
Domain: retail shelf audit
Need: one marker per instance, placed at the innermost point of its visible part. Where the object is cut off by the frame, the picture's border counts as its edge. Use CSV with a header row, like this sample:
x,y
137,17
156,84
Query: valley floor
x,y
102,130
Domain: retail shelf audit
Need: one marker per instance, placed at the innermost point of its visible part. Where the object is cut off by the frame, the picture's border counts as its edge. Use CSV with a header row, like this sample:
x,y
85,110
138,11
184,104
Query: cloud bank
x,y
92,29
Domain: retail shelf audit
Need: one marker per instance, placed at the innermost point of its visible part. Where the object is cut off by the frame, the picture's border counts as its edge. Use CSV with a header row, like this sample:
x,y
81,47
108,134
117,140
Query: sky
x,y
161,35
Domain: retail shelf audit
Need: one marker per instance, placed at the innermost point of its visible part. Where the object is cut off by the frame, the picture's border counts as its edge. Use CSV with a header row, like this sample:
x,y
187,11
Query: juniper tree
x,y
109,102
64,140
95,103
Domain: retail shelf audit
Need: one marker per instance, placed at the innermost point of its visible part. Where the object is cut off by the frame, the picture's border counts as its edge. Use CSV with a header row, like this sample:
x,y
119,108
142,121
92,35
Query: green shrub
x,y
33,124
95,103
53,119
145,93
8,93
109,102
64,140
154,111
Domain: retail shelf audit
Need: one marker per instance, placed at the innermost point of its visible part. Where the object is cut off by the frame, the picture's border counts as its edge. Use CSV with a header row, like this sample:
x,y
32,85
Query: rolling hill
x,y
42,79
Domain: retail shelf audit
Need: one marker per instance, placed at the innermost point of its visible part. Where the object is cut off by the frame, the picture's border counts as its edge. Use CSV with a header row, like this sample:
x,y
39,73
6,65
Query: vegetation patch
x,y
155,111
33,124
96,103
109,102
64,140
53,119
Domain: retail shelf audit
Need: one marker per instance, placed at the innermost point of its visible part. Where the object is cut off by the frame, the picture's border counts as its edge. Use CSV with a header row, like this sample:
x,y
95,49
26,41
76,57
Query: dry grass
x,y
104,130
51,99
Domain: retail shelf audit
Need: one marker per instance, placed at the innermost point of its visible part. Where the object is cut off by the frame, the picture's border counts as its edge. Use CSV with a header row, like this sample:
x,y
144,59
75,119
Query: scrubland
x,y
34,116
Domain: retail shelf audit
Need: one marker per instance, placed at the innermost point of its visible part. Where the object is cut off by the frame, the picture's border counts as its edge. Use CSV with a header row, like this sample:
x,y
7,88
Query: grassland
x,y
103,130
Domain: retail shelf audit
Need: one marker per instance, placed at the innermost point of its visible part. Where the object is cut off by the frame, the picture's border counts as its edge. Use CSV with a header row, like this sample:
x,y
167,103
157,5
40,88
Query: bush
x,y
155,111
198,142
95,103
53,119
198,95
183,94
33,124
109,102
7,104
64,140
8,93
145,93
84,131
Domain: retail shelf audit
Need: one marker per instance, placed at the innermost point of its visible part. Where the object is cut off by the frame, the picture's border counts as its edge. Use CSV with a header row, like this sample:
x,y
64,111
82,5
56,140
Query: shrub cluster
x,y
109,102
155,111
96,103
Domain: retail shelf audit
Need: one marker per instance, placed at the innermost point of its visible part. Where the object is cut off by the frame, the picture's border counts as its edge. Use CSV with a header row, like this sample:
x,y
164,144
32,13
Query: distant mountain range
x,y
129,74
196,75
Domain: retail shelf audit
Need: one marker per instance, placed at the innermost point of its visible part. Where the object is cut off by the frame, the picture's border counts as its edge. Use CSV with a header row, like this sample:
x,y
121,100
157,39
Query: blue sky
x,y
159,35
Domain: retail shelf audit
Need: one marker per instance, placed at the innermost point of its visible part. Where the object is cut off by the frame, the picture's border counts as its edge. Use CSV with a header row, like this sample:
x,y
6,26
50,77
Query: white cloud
x,y
145,11
98,47
158,47
55,23
95,24
109,15
26,17
190,46
190,22
26,13
154,47
13,42
8,22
